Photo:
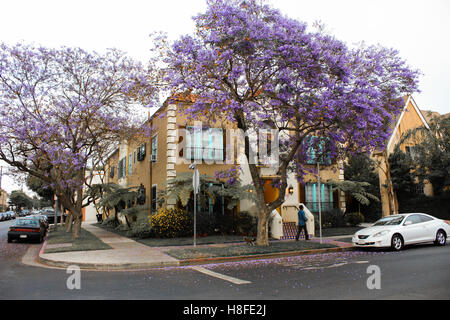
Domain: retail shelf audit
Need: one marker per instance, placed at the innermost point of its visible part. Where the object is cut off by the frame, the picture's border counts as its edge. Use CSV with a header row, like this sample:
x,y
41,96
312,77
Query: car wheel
x,y
441,238
9,240
397,242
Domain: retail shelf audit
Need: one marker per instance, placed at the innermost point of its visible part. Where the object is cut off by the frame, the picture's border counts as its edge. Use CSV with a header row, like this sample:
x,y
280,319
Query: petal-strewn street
x,y
419,272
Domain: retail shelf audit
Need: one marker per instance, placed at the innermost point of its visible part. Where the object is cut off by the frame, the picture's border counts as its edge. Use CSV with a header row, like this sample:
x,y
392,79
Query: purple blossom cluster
x,y
254,64
62,110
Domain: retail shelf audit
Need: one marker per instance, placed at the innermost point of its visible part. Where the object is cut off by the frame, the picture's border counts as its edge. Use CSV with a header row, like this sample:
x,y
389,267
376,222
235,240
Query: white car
x,y
396,231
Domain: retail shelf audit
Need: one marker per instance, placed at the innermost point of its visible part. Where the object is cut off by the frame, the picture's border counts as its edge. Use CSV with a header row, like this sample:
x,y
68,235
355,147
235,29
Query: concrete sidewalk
x,y
127,254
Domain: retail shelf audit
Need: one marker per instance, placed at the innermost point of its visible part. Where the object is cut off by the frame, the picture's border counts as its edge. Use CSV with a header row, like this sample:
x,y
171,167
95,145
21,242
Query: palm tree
x,y
118,198
180,189
355,189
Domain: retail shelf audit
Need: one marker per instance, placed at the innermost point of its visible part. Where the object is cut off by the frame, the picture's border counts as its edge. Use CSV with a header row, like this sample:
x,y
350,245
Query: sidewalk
x,y
128,254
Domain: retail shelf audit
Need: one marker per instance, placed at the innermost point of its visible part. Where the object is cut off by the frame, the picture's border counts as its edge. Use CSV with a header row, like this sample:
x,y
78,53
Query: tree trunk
x,y
69,222
263,232
76,226
57,206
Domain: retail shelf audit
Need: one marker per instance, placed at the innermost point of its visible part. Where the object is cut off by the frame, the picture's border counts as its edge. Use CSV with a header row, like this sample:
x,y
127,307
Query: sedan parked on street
x,y
26,229
41,218
396,231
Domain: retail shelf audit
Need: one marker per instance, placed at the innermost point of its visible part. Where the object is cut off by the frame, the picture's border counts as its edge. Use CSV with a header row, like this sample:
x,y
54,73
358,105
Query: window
x,y
122,168
425,218
415,218
317,150
141,152
312,196
130,164
411,151
204,144
155,148
153,201
419,189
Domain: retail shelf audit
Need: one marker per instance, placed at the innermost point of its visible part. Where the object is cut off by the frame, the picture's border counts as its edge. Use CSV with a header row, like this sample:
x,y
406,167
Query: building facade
x,y
152,160
411,117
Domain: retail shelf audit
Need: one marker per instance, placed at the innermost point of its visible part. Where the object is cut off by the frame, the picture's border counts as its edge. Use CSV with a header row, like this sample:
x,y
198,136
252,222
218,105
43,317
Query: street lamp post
x,y
320,204
196,185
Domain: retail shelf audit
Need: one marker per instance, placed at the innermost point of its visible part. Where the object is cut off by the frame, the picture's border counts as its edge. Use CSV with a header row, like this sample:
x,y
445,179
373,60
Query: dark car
x,y
42,219
50,214
26,229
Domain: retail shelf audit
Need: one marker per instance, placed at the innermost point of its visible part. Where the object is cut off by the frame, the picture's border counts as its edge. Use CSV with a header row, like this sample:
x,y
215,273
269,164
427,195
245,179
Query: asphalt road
x,y
420,272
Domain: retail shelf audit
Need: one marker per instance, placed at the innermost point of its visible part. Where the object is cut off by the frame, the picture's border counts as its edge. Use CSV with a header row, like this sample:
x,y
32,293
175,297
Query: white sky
x,y
419,29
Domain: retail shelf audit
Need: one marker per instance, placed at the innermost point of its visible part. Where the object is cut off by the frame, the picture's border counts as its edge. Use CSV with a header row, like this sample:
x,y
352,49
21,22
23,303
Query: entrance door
x,y
271,193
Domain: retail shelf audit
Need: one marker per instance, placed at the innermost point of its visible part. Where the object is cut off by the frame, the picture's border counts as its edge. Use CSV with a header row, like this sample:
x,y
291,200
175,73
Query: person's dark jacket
x,y
301,218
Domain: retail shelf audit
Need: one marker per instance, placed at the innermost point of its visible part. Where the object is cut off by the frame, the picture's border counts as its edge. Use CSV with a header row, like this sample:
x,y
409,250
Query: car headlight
x,y
380,234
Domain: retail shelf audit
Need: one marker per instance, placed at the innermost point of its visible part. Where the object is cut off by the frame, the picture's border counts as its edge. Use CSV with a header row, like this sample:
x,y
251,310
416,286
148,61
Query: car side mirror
x,y
407,223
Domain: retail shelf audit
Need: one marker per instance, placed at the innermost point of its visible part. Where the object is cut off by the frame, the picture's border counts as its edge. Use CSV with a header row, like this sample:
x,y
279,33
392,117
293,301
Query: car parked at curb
x,y
396,231
3,216
26,229
12,214
42,219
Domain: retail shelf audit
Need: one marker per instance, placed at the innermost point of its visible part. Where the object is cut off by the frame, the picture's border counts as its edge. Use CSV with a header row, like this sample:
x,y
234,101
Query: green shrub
x,y
436,206
122,227
245,223
333,218
354,218
110,222
141,229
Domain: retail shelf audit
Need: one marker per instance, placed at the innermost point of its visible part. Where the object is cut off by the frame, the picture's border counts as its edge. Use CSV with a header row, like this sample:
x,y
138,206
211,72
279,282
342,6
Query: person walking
x,y
302,224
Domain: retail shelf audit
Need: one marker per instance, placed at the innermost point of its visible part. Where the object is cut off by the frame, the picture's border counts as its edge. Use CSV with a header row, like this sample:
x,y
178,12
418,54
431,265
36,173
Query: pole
x,y
195,217
320,204
195,185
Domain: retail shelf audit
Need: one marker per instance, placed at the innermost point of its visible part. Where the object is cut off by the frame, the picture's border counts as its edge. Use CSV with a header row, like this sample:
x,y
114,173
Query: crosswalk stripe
x,y
220,276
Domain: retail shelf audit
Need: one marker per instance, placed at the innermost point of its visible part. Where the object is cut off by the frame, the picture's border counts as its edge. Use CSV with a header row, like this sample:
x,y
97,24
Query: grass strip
x,y
86,241
245,250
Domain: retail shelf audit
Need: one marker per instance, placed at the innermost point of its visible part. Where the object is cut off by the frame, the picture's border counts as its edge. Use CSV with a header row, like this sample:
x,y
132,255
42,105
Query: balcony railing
x,y
314,206
204,153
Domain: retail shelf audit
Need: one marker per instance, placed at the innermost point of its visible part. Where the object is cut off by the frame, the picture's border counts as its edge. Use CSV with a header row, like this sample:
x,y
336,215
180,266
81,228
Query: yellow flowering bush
x,y
171,223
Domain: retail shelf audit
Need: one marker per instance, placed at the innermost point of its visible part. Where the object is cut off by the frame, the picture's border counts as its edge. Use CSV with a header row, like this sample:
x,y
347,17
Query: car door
x,y
413,230
431,226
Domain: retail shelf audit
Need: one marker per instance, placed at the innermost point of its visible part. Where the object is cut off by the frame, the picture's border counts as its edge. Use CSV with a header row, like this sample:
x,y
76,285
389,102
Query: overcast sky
x,y
417,28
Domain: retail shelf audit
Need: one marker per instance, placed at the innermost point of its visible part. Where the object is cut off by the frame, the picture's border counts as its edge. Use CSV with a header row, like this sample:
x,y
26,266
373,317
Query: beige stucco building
x,y
155,159
410,117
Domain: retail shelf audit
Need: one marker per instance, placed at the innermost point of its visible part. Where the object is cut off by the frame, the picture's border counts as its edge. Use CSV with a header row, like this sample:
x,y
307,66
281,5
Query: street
x,y
419,272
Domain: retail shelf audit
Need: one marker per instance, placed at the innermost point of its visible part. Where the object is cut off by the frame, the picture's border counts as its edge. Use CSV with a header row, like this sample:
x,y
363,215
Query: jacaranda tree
x,y
63,110
262,69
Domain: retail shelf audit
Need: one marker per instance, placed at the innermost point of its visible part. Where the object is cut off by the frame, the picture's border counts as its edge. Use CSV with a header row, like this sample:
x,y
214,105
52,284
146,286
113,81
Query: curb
x,y
186,262
263,256
106,267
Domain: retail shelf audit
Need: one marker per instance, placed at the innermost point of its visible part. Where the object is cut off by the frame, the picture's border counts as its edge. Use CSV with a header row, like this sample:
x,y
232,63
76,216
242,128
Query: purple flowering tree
x,y
62,111
262,69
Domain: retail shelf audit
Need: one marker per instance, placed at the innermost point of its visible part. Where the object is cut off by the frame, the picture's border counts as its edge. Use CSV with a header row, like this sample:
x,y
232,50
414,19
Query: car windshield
x,y
389,221
26,222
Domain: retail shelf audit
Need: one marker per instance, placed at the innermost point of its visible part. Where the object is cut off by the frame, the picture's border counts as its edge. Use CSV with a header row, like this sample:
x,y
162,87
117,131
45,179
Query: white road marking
x,y
220,276
361,261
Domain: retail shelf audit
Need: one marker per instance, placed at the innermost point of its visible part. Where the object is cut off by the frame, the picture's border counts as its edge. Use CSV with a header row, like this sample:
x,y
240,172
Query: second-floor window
x,y
130,164
204,144
155,148
122,168
141,152
317,150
